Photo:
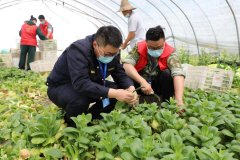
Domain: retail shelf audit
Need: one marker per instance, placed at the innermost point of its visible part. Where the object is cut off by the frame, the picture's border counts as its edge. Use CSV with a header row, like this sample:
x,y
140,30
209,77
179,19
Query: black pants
x,y
162,85
26,50
74,103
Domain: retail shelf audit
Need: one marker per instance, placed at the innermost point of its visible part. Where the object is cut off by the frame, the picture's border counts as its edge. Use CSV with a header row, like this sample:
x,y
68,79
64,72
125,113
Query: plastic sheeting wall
x,y
192,24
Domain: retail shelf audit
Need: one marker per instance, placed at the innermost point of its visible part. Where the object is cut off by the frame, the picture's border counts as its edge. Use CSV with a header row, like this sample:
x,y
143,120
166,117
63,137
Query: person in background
x,y
45,27
79,76
136,31
28,42
155,66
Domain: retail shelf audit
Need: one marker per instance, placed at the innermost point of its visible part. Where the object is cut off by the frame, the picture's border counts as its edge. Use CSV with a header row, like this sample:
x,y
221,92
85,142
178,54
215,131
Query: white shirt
x,y
135,24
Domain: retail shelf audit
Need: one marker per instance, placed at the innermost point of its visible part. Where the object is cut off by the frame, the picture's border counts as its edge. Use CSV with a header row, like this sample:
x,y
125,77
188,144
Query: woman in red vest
x,y
154,65
45,27
28,42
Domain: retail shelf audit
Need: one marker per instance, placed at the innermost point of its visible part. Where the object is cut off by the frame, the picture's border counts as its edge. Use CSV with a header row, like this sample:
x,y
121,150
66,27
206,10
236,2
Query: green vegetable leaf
x,y
235,148
194,129
227,133
53,153
127,156
38,140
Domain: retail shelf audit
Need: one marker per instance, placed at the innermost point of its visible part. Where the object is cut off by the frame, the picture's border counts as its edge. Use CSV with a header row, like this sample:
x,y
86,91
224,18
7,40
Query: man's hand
x,y
127,96
180,103
146,88
124,45
121,95
134,101
131,89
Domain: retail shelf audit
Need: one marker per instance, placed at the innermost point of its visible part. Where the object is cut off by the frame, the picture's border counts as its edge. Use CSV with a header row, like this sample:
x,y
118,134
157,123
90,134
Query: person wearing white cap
x,y
136,31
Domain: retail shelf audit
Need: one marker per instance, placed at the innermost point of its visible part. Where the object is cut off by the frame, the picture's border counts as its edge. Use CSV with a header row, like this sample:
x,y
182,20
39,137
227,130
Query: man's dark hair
x,y
108,35
155,33
41,17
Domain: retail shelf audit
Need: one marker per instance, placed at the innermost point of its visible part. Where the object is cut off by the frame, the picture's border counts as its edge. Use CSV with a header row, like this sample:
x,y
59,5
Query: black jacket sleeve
x,y
78,66
120,77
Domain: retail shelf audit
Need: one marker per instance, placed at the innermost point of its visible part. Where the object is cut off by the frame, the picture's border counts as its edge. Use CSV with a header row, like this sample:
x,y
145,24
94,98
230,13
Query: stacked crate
x,y
208,79
42,66
15,56
48,56
5,60
48,49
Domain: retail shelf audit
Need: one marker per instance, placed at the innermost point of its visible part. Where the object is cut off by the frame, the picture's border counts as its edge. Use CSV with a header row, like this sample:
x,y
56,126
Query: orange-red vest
x,y
143,59
44,29
28,35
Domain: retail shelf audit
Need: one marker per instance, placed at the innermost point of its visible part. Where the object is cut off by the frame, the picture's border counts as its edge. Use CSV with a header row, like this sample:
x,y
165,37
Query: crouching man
x,y
154,65
79,76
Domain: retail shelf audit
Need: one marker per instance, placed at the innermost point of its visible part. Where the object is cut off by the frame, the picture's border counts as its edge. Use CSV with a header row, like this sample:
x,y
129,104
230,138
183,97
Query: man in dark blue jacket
x,y
79,76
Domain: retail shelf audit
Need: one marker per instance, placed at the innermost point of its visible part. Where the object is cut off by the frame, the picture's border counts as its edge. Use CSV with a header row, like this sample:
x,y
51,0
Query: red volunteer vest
x,y
44,29
143,59
28,35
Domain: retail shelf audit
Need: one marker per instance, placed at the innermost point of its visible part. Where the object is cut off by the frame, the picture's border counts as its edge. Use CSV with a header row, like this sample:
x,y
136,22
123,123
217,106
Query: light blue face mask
x,y
105,59
155,53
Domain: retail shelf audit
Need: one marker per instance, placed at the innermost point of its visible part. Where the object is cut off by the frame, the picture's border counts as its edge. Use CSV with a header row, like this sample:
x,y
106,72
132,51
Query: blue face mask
x,y
105,59
155,53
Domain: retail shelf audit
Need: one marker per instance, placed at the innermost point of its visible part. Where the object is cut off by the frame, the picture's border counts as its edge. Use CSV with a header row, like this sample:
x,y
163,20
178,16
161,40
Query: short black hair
x,y
108,35
155,33
41,17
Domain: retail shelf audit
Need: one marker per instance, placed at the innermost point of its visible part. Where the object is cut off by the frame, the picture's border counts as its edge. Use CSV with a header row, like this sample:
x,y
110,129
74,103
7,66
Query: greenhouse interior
x,y
120,80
